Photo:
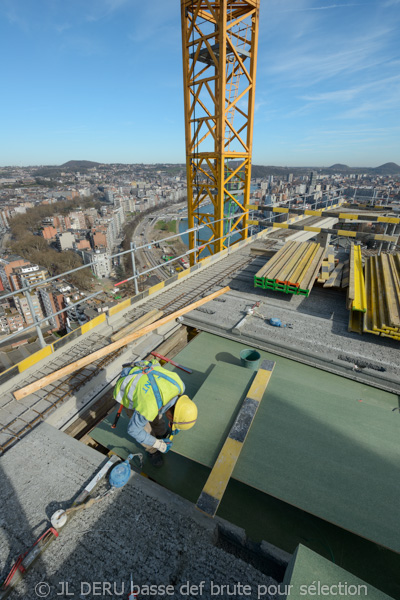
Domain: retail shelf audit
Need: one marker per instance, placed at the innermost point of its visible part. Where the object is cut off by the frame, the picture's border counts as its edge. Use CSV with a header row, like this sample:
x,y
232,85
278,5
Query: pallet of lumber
x,y
292,270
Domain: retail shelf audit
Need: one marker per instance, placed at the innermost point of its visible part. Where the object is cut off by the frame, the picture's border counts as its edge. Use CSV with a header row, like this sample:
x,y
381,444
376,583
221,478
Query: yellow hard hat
x,y
185,413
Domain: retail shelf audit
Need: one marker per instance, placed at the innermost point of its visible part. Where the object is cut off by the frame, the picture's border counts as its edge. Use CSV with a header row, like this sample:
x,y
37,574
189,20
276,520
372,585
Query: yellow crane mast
x,y
219,41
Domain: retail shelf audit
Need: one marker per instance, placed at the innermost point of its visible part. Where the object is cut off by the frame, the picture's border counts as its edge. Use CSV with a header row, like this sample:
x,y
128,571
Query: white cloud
x,y
314,59
329,7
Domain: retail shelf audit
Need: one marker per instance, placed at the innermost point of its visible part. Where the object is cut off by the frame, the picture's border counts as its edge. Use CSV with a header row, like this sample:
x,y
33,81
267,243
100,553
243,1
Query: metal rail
x,y
56,396
326,213
135,277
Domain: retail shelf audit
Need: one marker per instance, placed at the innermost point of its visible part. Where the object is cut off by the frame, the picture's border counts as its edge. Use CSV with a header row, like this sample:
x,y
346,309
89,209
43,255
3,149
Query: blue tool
x,y
120,474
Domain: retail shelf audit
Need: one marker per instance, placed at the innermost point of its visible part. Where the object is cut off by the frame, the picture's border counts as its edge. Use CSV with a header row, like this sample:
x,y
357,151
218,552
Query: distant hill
x,y
75,165
339,167
387,169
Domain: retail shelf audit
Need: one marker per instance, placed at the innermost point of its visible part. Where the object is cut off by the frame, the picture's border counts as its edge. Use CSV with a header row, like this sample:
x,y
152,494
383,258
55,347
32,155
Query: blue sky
x,y
102,80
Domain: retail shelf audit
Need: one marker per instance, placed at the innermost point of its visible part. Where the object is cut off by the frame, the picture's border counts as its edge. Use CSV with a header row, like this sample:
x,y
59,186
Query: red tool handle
x,y
117,416
161,357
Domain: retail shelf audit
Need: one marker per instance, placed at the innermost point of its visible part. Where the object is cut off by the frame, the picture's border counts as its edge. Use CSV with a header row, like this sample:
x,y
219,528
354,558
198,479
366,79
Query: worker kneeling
x,y
148,392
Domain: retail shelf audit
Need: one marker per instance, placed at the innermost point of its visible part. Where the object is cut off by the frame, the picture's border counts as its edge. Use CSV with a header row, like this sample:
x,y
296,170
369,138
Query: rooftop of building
x,y
319,342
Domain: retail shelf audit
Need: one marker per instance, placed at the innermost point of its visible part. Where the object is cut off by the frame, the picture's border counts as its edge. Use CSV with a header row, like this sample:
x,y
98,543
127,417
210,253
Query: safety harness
x,y
146,369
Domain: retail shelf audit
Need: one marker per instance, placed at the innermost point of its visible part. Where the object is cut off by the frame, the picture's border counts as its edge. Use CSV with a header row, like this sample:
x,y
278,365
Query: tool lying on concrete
x,y
119,476
249,312
278,323
173,363
25,561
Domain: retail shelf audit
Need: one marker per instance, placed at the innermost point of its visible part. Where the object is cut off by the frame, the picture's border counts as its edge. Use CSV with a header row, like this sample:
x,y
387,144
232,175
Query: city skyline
x,y
103,82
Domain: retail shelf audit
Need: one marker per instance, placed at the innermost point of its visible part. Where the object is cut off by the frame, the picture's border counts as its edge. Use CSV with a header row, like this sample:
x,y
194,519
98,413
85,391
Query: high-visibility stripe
x,y
346,233
218,479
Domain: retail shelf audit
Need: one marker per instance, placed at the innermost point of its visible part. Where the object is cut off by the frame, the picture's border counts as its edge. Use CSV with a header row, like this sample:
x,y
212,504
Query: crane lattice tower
x,y
219,40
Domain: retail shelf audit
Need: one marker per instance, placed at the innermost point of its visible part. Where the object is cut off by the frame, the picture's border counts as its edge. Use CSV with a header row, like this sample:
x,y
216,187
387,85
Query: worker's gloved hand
x,y
163,445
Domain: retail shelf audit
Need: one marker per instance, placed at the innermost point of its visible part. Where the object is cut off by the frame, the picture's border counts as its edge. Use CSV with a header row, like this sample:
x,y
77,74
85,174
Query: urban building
x,y
7,264
22,306
65,241
27,275
77,220
52,301
49,232
101,260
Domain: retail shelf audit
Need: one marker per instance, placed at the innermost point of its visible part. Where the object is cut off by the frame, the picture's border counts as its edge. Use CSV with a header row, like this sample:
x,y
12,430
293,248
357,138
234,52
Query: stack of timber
x,y
346,274
335,277
327,266
382,282
292,270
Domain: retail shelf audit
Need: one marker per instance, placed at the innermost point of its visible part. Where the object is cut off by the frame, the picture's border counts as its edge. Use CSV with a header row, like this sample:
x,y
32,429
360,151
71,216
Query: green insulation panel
x,y
320,442
310,575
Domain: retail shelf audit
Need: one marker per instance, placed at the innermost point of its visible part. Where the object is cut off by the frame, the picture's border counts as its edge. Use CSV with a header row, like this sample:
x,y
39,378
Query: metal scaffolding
x,y
219,42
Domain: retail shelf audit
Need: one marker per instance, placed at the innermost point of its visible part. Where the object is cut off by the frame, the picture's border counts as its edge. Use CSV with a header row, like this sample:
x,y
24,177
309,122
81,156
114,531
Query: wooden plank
x,y
86,360
336,276
174,344
351,293
345,274
218,479
88,418
150,317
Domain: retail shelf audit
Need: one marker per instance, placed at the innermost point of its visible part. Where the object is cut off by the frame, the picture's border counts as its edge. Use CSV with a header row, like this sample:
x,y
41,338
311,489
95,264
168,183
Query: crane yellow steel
x,y
219,45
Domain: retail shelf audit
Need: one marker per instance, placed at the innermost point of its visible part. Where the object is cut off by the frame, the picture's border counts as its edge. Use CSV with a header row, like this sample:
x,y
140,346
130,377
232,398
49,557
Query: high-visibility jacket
x,y
147,388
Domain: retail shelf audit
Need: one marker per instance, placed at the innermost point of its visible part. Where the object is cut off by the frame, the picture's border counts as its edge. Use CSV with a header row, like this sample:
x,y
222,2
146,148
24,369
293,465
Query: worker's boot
x,y
156,459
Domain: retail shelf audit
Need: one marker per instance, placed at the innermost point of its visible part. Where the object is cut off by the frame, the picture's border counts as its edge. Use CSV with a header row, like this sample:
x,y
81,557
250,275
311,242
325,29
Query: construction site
x,y
287,341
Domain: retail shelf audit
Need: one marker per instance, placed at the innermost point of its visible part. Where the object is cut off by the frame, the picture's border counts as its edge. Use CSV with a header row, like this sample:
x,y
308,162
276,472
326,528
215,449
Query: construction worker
x,y
148,392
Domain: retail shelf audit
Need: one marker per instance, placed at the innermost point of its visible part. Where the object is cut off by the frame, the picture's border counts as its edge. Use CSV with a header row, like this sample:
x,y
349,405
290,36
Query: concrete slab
x,y
140,529
319,331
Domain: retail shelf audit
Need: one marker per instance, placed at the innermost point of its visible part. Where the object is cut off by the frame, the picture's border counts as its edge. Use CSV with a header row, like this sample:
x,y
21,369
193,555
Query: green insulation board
x,y
224,390
320,442
309,574
222,393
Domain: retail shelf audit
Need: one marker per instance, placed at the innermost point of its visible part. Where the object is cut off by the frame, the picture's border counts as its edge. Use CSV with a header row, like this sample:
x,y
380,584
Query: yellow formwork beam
x,y
391,289
303,264
296,263
272,266
360,299
286,270
218,479
383,296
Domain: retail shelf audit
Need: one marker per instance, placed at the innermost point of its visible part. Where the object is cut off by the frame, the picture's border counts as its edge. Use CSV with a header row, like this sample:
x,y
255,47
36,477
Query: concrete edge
x,y
367,377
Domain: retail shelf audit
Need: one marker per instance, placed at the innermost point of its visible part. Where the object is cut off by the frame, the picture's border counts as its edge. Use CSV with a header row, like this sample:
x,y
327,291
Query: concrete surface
x,y
140,529
319,332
